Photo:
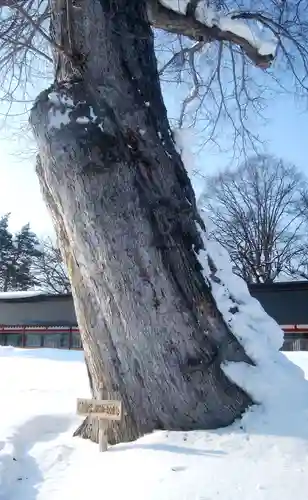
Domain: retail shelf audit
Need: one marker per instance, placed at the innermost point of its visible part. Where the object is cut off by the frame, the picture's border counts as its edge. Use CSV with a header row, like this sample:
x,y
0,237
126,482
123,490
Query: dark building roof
x,y
286,302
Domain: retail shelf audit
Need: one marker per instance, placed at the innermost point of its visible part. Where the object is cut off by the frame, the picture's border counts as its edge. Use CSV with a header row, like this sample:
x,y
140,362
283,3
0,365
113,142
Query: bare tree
x,y
123,206
49,269
298,268
257,216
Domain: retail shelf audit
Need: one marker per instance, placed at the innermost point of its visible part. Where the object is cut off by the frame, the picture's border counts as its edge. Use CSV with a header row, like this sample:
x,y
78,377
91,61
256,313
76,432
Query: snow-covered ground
x,y
39,460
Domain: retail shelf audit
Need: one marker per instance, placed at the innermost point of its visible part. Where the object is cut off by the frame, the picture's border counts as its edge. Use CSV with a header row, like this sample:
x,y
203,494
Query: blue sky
x,y
286,134
20,193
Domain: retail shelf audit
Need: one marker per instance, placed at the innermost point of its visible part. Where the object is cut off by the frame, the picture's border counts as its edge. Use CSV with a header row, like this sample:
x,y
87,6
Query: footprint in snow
x,y
178,468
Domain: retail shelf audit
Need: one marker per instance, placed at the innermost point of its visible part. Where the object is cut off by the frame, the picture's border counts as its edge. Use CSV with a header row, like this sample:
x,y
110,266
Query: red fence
x,y
63,337
59,337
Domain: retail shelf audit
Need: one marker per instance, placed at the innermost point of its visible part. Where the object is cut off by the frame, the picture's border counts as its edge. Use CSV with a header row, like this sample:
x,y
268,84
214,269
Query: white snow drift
x,y
262,457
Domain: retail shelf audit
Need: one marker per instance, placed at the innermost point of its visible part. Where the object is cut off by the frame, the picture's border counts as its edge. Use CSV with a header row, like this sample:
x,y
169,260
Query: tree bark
x,y
125,214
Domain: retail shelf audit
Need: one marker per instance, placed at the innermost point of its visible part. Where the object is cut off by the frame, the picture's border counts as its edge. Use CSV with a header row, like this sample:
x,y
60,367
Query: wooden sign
x,y
107,410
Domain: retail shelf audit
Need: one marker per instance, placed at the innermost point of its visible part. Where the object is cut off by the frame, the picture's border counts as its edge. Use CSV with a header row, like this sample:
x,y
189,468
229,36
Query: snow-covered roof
x,y
19,295
30,295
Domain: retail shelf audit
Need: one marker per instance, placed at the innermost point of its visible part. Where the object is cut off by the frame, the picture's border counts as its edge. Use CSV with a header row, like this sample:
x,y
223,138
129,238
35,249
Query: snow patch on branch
x,y
59,113
253,327
62,106
210,17
207,15
183,137
83,120
242,29
176,5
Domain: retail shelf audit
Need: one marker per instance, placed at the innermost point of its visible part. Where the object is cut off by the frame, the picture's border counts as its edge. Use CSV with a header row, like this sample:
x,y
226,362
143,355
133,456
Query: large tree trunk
x,y
125,214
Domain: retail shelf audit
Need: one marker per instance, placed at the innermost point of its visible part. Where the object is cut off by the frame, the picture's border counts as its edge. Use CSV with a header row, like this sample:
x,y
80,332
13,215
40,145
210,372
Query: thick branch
x,y
174,22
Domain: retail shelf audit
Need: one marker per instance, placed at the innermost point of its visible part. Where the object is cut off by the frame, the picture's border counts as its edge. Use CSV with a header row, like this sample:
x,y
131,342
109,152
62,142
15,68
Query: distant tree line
x,y
28,262
259,213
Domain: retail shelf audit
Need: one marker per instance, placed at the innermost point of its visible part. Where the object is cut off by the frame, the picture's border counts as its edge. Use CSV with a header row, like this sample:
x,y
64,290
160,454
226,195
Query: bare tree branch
x,y
49,269
196,80
233,92
221,88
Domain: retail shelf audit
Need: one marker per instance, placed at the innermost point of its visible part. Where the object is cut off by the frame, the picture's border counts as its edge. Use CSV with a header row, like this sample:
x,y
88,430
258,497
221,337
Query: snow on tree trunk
x,y
125,214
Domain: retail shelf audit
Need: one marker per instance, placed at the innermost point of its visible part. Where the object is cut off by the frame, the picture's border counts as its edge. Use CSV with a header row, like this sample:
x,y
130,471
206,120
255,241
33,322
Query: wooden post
x,y
23,341
103,424
70,338
104,409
